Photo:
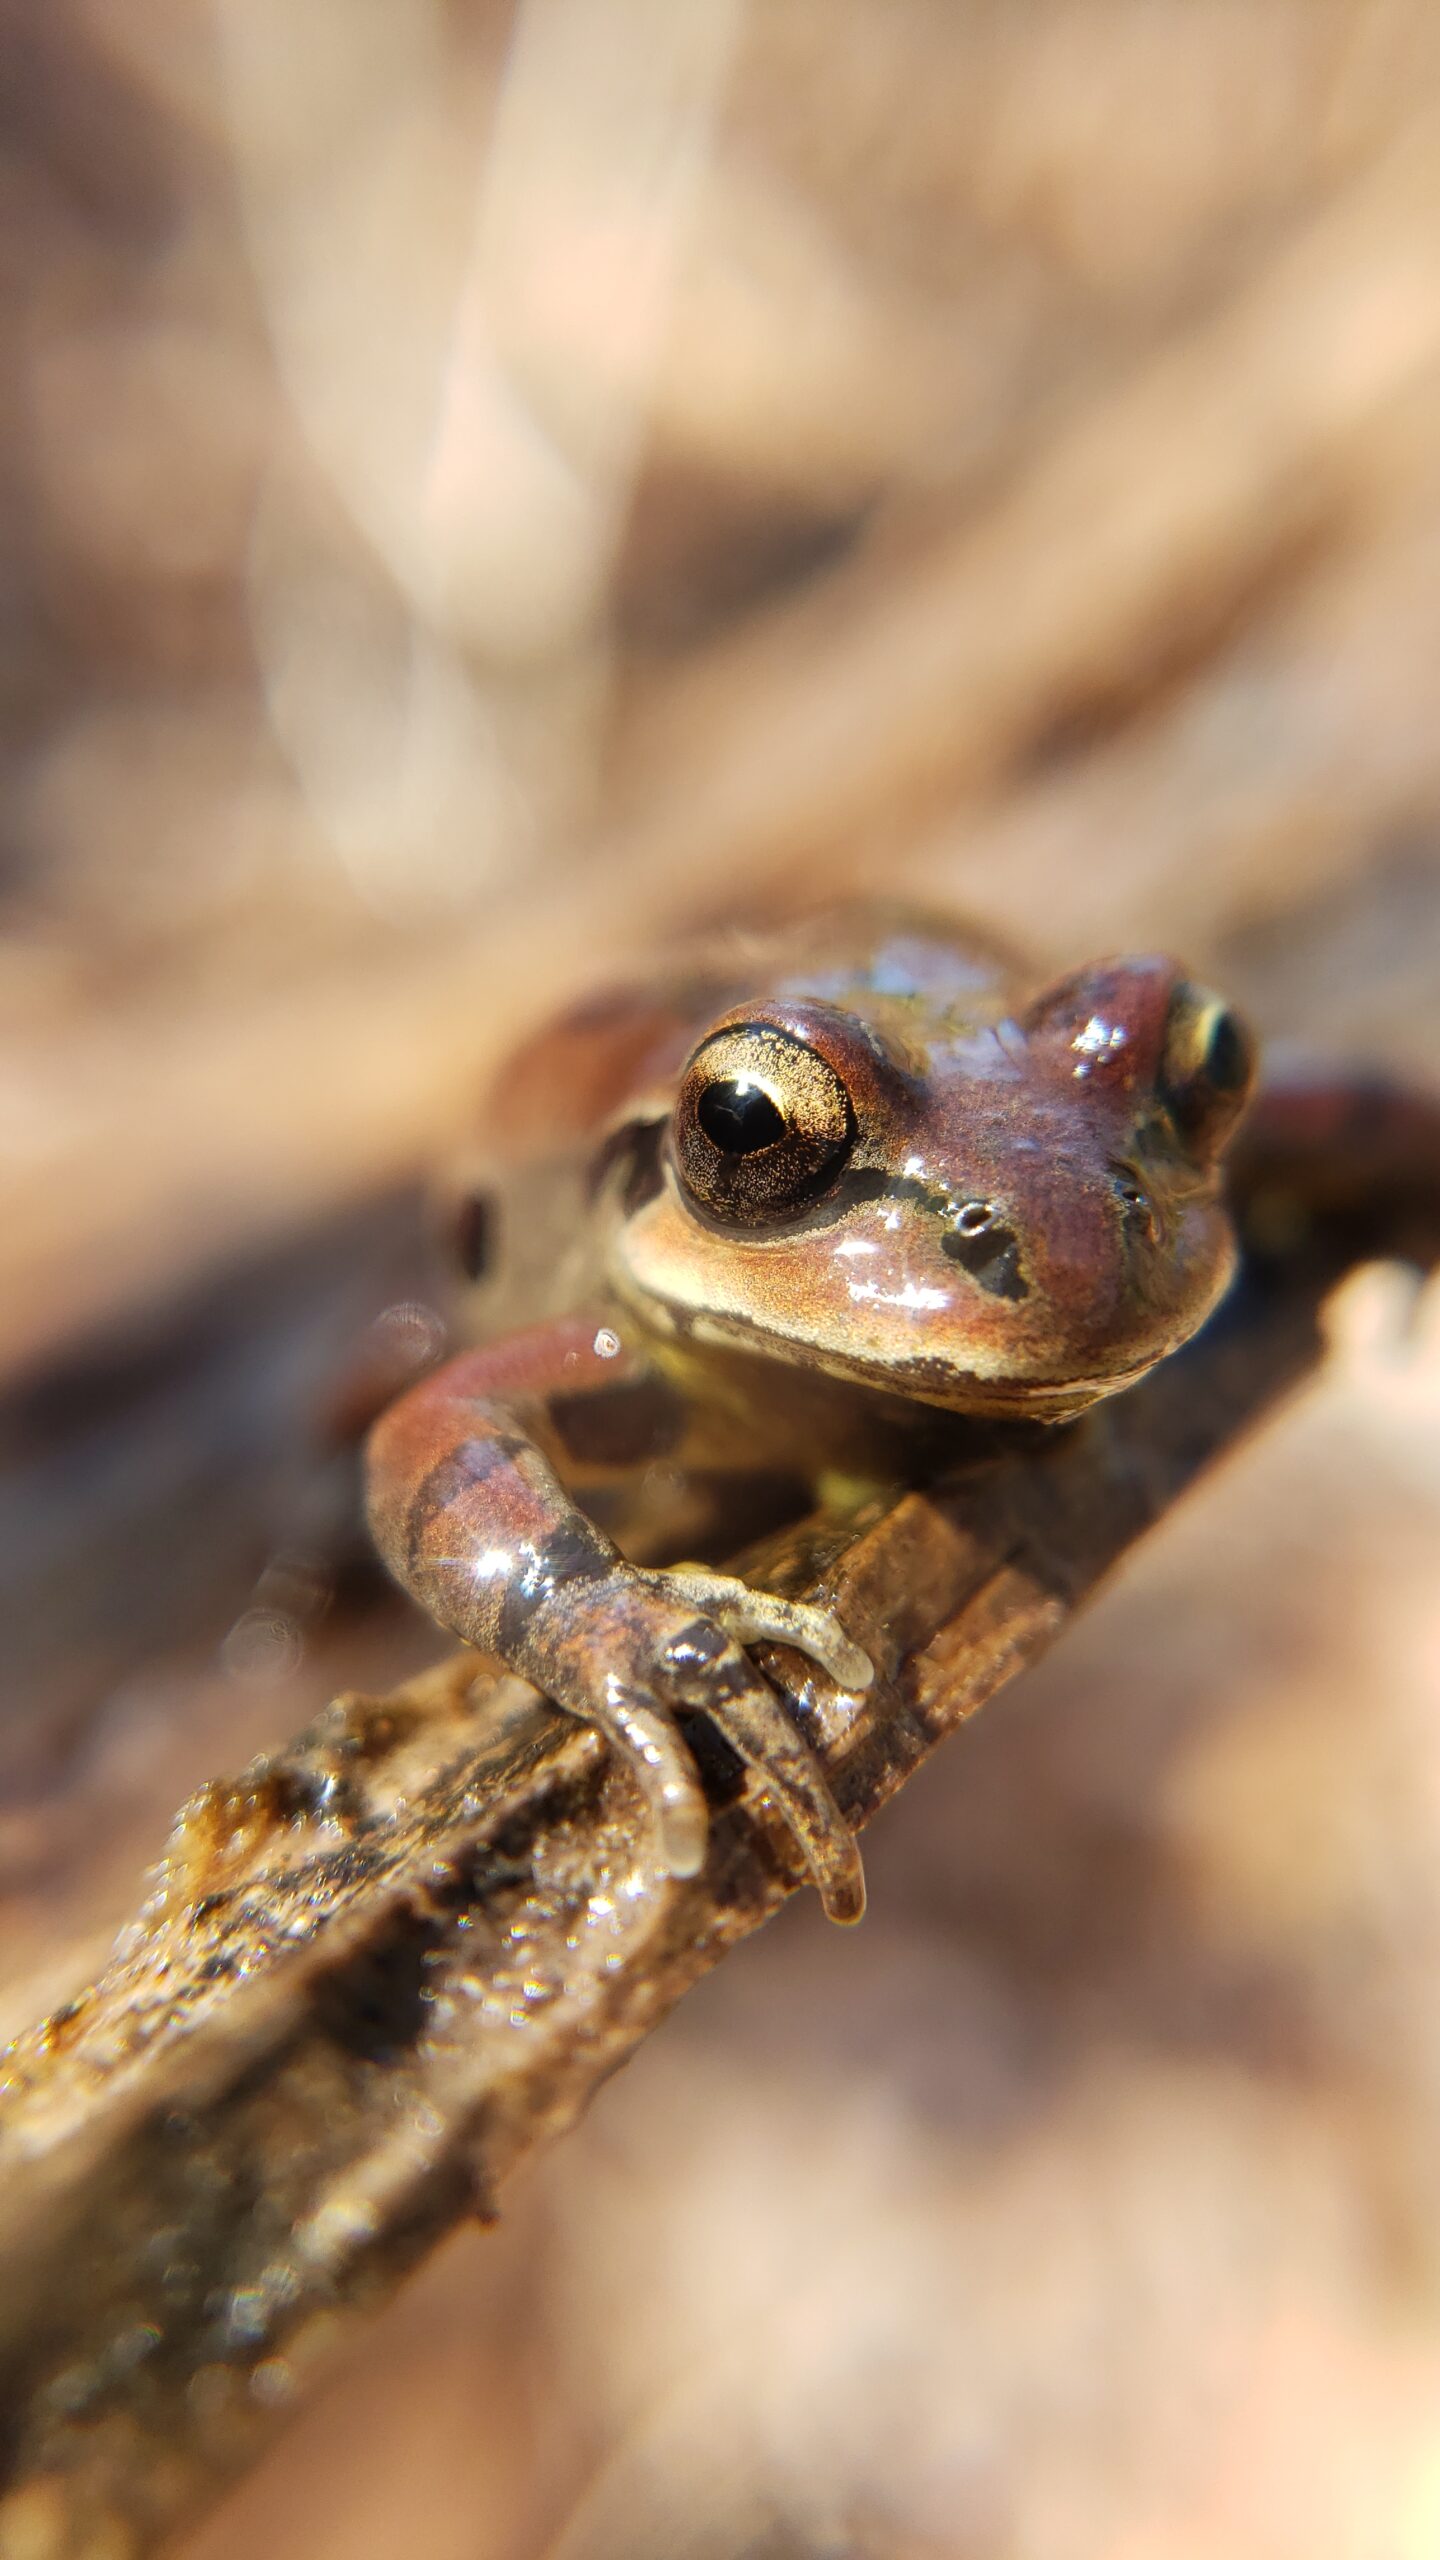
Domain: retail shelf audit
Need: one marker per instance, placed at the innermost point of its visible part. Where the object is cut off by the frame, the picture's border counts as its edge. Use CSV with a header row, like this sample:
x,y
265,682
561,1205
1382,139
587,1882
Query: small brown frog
x,y
756,1224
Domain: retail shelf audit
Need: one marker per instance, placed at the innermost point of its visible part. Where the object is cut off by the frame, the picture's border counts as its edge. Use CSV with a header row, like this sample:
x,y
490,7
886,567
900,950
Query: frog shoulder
x,y
568,1081
516,1238
513,1210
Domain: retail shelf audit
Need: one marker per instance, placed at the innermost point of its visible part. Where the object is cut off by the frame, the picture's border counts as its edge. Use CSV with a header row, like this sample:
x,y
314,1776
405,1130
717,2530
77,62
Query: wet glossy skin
x,y
769,1210
1019,1221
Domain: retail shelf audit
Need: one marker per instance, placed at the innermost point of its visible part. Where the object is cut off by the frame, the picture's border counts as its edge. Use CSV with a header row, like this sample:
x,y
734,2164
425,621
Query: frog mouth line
x,y
923,1379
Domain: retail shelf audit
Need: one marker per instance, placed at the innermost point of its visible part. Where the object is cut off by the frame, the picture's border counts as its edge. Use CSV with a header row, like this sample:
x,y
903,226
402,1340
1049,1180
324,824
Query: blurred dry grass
x,y
472,495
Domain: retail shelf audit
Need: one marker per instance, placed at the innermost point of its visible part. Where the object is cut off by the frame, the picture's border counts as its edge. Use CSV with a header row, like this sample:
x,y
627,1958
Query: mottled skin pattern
x,y
767,1222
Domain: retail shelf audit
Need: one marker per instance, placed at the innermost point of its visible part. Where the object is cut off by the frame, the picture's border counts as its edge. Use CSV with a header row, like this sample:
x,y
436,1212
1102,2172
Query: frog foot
x,y
754,1718
675,1638
762,1617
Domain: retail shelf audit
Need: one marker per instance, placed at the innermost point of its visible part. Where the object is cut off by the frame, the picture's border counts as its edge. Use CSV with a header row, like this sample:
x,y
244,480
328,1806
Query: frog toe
x,y
651,1643
791,1775
707,1669
762,1617
647,1737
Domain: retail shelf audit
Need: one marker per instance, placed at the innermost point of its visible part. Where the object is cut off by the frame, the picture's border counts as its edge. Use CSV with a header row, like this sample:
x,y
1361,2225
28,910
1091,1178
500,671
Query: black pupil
x,y
738,1118
1226,1062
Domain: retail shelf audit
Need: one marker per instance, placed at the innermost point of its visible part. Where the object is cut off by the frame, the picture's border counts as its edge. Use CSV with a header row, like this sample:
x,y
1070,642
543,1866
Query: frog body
x,y
754,1229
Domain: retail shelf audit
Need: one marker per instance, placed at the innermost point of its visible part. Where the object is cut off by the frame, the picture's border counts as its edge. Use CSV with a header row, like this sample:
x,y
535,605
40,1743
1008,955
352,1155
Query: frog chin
x,y
1024,1399
993,1394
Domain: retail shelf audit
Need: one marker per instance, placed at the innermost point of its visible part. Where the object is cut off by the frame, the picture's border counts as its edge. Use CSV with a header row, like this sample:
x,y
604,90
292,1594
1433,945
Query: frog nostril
x,y
988,1249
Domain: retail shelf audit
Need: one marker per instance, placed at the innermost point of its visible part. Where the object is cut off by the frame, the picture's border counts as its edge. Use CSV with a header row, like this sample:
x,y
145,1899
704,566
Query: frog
x,y
759,1229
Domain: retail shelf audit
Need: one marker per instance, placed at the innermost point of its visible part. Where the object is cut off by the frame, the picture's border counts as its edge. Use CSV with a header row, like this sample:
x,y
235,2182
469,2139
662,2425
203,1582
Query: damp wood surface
x,y
381,1966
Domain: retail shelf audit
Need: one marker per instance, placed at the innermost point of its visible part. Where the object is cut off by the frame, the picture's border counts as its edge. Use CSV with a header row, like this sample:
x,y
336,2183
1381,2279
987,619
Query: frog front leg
x,y
469,1512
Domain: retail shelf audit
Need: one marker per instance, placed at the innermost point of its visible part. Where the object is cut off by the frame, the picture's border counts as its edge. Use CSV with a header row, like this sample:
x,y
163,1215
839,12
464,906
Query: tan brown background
x,y
476,494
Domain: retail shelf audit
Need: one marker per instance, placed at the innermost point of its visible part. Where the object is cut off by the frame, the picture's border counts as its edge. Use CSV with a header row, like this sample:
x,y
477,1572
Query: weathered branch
x,y
394,1957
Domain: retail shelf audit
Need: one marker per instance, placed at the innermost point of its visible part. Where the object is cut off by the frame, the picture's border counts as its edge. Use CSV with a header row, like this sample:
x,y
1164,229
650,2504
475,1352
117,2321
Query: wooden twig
x,y
394,1957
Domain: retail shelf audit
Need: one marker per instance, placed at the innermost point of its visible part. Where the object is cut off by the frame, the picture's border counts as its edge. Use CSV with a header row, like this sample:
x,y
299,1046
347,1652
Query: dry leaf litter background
x,y
477,492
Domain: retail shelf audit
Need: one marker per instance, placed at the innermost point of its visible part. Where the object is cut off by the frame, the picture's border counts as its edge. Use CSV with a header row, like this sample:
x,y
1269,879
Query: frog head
x,y
1006,1215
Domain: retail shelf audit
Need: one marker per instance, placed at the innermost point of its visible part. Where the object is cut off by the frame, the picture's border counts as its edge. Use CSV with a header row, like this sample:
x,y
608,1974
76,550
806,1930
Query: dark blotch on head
x,y
991,1256
630,1158
739,1117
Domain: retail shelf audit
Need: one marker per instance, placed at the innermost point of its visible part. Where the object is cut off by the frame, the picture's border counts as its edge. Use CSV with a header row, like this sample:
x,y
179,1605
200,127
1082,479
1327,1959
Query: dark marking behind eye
x,y
992,1257
739,1117
473,1235
631,1158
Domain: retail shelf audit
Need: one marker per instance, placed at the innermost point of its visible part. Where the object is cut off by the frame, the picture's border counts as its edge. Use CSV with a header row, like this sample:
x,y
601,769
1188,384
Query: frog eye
x,y
762,1124
1206,1068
